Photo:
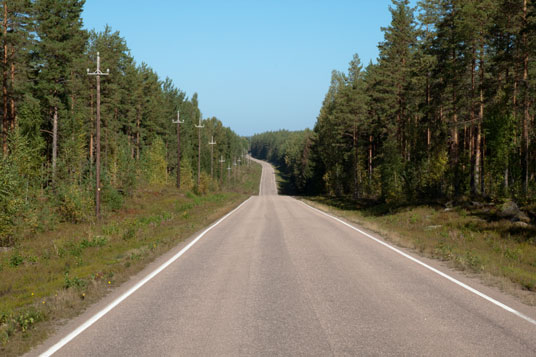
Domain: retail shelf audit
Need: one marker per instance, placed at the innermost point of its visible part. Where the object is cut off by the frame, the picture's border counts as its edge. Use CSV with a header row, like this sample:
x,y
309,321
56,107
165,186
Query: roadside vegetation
x,y
55,257
434,143
48,110
51,276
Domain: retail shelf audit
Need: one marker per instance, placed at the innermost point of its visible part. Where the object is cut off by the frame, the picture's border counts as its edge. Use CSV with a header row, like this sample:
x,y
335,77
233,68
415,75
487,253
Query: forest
x,y
445,113
48,121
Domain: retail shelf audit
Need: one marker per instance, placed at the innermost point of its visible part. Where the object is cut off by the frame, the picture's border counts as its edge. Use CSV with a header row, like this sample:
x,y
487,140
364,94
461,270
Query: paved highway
x,y
278,278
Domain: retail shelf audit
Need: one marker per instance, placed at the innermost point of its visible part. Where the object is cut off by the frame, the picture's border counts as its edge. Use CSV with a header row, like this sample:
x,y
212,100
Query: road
x,y
280,278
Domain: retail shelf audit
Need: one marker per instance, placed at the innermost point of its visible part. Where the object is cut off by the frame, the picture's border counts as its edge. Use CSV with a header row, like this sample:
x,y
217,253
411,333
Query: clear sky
x,y
256,65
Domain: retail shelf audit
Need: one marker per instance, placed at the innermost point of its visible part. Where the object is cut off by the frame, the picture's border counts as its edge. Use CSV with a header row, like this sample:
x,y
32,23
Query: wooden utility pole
x,y
212,143
98,74
199,152
178,122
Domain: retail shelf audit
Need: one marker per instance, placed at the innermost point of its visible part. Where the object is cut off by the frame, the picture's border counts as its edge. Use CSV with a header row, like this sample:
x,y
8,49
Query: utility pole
x,y
199,152
212,143
221,167
178,122
98,74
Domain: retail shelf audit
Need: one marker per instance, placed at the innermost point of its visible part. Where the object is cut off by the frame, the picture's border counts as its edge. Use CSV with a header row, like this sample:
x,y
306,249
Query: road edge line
x,y
56,347
438,272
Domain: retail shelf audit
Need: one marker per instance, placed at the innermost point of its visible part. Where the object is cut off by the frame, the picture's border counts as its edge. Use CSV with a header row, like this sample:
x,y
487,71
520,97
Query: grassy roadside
x,y
501,253
54,276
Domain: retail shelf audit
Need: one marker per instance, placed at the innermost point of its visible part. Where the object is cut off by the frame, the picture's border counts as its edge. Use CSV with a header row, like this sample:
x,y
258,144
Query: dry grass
x,y
54,276
499,251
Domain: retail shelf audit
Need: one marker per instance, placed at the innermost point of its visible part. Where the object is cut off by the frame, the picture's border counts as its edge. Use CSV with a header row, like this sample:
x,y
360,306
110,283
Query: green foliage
x,y
291,152
15,260
443,113
48,175
97,241
23,321
17,176
187,178
73,282
75,203
391,173
205,184
111,198
432,174
155,164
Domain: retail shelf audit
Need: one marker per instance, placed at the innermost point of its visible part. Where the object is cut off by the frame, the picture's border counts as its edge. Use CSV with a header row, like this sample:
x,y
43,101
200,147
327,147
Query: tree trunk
x,y
5,117
199,159
138,136
481,139
92,113
514,104
370,159
356,162
54,143
13,112
475,129
526,117
454,133
91,149
178,154
428,131
506,183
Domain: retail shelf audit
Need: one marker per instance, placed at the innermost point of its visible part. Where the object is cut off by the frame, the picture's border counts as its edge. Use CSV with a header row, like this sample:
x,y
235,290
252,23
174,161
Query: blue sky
x,y
256,65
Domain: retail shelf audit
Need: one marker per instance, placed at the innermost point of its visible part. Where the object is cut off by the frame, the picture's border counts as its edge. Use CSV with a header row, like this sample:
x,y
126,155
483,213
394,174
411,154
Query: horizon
x,y
257,67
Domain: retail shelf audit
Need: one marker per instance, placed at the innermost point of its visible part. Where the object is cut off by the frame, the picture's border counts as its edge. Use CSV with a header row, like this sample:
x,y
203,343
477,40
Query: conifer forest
x,y
446,112
48,121
396,223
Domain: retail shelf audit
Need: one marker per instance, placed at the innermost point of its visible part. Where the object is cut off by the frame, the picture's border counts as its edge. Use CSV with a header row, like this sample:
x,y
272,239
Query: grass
x,y
54,276
473,240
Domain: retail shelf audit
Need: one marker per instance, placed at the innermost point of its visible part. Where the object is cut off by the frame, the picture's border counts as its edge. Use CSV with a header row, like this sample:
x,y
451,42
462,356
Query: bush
x,y
111,198
187,179
75,203
17,173
205,184
154,164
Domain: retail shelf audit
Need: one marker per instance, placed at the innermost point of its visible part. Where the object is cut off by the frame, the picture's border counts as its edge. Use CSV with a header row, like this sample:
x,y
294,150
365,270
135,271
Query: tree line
x,y
446,111
48,118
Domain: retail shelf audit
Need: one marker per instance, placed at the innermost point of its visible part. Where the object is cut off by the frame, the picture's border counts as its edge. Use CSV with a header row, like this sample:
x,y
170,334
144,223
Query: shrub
x,y
187,179
112,198
75,203
204,184
154,164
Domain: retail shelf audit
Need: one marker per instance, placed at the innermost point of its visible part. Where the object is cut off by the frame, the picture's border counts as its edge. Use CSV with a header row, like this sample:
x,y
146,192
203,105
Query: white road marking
x,y
455,281
117,301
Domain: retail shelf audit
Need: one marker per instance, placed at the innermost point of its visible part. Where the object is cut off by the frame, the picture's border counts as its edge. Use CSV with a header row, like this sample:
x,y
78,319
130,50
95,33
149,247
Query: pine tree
x,y
16,42
62,41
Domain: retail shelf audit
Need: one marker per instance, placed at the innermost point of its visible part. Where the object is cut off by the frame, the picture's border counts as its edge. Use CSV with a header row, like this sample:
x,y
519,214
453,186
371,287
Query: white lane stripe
x,y
455,281
117,301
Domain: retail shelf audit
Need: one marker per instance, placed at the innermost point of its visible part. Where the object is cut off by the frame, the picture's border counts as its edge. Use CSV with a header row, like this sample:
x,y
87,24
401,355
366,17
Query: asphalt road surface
x,y
277,278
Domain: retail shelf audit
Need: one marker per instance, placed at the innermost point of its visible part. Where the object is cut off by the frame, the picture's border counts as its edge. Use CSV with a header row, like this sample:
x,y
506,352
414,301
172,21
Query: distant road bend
x,y
277,277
